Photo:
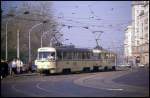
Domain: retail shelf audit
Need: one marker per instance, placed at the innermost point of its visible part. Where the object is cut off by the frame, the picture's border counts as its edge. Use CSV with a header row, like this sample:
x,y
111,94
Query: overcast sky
x,y
109,17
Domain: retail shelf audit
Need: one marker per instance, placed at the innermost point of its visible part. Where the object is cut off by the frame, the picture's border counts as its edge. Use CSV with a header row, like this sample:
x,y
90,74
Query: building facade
x,y
143,48
139,33
128,44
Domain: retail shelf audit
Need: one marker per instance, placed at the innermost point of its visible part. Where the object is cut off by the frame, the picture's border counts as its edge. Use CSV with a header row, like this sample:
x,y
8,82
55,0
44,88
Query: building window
x,y
146,21
146,28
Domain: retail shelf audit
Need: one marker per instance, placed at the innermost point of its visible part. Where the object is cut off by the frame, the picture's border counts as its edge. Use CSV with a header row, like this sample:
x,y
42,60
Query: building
x,y
137,8
128,43
137,35
143,47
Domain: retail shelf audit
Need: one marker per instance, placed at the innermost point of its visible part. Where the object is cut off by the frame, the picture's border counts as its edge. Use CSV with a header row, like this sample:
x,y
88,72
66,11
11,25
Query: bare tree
x,y
23,18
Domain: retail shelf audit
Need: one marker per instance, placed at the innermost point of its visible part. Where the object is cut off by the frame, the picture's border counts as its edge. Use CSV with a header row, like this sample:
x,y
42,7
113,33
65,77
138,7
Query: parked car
x,y
34,68
25,68
141,65
124,65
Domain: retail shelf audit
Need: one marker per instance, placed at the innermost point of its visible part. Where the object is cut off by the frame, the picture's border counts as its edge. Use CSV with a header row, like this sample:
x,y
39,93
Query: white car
x,y
140,65
124,65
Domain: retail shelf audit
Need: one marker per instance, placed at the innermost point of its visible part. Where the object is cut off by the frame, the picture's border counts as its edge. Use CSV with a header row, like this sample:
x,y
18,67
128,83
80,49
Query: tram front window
x,y
47,55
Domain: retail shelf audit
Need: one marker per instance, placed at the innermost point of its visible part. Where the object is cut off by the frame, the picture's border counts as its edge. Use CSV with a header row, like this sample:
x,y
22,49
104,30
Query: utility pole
x,y
6,43
30,39
41,41
42,36
115,59
18,50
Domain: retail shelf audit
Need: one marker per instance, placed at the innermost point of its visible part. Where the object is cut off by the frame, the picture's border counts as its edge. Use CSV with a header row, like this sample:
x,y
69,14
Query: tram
x,y
71,59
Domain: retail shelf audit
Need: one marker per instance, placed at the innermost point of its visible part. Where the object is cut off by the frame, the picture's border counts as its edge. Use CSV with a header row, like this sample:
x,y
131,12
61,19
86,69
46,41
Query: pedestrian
x,y
30,66
19,65
6,68
10,67
14,66
3,69
23,67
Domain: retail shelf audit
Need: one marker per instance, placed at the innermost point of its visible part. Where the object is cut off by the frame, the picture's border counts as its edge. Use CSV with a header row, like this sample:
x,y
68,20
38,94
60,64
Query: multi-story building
x,y
128,43
143,47
139,32
137,8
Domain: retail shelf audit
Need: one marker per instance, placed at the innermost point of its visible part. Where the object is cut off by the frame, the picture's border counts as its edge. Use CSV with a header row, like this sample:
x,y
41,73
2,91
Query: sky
x,y
83,18
111,17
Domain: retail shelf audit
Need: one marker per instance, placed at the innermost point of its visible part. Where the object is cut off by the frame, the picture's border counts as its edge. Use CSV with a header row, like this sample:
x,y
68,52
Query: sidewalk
x,y
24,74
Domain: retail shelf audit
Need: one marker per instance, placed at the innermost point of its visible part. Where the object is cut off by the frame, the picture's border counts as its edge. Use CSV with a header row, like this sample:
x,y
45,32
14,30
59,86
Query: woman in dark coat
x,y
3,69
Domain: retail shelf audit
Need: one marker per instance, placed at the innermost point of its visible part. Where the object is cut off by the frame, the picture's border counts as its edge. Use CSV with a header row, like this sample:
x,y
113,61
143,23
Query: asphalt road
x,y
126,83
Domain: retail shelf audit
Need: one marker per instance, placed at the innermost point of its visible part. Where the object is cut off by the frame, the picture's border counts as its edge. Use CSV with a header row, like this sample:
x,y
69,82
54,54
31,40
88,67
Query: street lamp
x,y
6,51
43,36
30,38
45,21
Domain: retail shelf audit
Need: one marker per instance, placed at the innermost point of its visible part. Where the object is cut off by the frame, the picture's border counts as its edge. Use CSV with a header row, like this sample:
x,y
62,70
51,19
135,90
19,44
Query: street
x,y
125,83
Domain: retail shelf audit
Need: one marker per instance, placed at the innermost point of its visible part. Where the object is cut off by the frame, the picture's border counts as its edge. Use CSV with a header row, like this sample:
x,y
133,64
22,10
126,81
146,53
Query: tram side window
x,y
64,55
99,56
87,55
75,56
83,56
59,56
67,55
106,56
95,56
78,56
103,55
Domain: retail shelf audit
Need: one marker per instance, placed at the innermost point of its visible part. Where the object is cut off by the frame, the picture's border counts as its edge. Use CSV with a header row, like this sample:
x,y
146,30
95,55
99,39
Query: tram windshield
x,y
46,55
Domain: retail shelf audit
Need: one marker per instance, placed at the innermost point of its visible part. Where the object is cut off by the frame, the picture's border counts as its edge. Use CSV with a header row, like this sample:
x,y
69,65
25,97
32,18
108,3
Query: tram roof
x,y
70,48
73,49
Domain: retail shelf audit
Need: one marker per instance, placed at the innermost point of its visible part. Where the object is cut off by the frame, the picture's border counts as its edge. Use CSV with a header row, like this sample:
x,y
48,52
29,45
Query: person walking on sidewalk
x,y
14,66
19,65
10,67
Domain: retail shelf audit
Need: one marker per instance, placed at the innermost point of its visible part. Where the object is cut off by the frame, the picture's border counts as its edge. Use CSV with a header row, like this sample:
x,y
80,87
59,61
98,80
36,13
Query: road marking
x,y
82,82
38,86
60,93
17,90
115,89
